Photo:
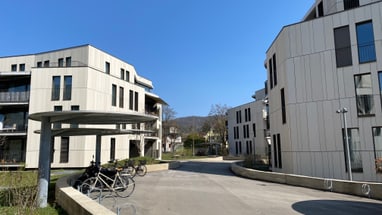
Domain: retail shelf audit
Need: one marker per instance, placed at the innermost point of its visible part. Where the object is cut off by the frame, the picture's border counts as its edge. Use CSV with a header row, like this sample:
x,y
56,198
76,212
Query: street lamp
x,y
344,111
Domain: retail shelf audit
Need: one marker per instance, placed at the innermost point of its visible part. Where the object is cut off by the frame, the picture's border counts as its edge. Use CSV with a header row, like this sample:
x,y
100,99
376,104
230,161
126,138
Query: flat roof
x,y
92,117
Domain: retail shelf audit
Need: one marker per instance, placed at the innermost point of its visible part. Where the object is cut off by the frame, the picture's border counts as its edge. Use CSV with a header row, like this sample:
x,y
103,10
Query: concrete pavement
x,y
208,187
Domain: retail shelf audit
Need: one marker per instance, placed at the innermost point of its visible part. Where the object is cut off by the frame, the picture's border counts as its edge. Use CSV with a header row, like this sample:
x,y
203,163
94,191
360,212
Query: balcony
x,y
14,97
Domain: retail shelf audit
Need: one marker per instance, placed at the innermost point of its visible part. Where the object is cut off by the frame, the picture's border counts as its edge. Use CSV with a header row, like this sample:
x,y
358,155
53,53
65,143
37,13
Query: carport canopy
x,y
77,117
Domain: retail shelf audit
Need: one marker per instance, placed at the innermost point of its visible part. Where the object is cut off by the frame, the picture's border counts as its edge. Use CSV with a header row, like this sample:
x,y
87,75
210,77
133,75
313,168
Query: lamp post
x,y
344,111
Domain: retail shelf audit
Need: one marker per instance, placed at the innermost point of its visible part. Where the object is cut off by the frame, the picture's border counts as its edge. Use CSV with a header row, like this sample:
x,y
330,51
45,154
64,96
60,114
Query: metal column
x,y
44,162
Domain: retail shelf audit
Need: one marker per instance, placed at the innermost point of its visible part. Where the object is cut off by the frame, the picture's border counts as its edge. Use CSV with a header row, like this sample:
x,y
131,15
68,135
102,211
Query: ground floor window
x,y
64,152
377,137
354,149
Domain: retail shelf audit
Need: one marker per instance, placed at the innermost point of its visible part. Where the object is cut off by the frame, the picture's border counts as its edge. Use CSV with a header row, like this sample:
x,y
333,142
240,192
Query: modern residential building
x,y
329,61
247,126
76,79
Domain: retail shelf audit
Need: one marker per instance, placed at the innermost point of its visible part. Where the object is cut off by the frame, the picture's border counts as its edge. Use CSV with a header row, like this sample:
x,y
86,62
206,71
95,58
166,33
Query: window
x,y
131,100
122,74
22,67
354,149
74,108
136,101
365,42
46,63
277,151
237,147
283,108
114,95
61,62
127,76
254,129
64,152
342,46
274,70
364,95
380,84
247,114
107,67
349,4
275,157
39,64
121,97
377,137
56,88
270,72
238,116
112,149
67,88
57,125
68,61
14,67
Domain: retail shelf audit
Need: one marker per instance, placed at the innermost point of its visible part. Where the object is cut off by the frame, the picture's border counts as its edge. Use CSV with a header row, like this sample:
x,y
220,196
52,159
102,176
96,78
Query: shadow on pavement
x,y
217,168
337,207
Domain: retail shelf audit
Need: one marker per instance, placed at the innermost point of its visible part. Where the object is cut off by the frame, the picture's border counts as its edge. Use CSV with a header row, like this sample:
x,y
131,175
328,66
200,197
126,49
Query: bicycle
x,y
108,180
133,170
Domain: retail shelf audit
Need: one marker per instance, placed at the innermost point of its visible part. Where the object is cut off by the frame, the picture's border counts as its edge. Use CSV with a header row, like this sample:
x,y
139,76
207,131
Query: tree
x,y
168,116
217,122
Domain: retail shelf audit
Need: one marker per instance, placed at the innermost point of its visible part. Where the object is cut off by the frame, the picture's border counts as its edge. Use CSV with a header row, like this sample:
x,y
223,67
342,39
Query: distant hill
x,y
190,123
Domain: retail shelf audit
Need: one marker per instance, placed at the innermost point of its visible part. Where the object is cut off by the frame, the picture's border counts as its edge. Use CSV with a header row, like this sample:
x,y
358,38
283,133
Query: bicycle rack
x,y
328,184
366,189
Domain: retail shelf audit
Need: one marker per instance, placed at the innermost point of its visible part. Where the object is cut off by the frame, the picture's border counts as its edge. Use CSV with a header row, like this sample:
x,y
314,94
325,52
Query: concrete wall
x,y
76,203
358,188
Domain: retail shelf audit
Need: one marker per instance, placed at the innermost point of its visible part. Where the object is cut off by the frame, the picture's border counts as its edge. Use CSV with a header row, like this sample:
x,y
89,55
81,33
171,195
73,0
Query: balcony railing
x,y
14,96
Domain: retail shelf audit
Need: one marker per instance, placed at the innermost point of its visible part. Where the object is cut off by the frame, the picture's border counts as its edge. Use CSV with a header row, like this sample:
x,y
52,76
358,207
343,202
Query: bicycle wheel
x,y
124,185
130,170
92,188
141,170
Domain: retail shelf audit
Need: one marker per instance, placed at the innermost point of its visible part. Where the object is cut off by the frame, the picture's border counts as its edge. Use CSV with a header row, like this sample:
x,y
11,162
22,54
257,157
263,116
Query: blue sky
x,y
197,52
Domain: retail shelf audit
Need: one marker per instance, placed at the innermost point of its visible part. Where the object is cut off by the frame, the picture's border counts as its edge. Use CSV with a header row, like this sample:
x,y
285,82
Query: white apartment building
x,y
330,60
81,78
247,127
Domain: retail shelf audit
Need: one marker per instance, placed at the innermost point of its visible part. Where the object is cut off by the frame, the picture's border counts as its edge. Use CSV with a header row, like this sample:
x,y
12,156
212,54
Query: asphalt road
x,y
209,187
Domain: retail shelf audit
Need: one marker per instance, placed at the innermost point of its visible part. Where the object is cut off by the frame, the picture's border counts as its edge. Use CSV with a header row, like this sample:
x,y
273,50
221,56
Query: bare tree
x,y
168,116
217,121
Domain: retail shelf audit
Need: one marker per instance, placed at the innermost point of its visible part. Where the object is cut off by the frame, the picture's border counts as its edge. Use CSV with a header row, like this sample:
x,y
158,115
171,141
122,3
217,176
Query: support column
x,y
142,145
98,150
44,162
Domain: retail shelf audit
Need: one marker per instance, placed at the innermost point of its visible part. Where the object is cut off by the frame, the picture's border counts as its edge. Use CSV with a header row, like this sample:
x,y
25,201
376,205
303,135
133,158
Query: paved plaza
x,y
208,187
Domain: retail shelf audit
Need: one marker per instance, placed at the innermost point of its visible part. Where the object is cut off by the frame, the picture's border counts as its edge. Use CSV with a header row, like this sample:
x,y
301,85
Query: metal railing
x,y
14,96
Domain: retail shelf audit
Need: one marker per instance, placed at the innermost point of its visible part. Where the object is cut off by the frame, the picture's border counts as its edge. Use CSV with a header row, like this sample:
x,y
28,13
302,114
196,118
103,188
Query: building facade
x,y
247,127
330,61
81,78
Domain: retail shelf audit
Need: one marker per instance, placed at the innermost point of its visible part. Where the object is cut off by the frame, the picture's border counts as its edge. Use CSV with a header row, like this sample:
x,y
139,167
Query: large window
x,y
349,4
364,95
121,97
67,88
377,137
114,95
380,84
342,46
277,158
136,101
107,67
64,152
56,88
112,148
131,100
365,41
283,108
354,149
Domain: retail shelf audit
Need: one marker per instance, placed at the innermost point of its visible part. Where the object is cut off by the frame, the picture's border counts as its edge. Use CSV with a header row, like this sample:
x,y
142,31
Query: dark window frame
x,y
342,44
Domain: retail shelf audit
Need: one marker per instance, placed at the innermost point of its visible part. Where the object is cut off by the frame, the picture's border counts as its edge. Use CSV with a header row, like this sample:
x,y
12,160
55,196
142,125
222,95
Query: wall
x,y
339,186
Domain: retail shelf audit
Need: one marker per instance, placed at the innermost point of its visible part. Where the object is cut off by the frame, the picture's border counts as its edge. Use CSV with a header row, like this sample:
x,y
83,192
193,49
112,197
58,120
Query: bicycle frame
x,y
104,178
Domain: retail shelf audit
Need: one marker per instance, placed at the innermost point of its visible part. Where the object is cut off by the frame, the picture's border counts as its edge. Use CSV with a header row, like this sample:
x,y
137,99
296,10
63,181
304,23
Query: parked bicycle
x,y
133,170
112,180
